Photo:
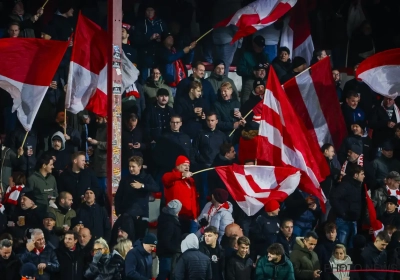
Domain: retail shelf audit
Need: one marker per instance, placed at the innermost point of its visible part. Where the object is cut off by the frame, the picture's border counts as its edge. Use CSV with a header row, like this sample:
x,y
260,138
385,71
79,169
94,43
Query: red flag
x,y
376,225
313,97
285,141
256,16
251,186
26,71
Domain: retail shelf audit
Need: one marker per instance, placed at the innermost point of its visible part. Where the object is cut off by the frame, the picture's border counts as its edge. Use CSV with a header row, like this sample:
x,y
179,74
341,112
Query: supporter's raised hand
x,y
186,50
67,137
193,45
20,151
187,174
40,11
30,245
53,85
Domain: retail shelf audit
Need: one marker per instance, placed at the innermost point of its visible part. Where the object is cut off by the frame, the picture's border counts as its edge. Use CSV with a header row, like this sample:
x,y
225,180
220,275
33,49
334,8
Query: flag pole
x,y
233,131
65,121
203,170
204,35
23,141
45,4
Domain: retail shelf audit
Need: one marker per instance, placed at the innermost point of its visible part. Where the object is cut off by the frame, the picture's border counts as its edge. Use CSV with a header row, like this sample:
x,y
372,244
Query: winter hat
x,y
258,82
174,206
162,92
150,239
126,26
65,6
220,195
190,242
271,206
181,160
259,67
30,195
356,148
387,146
218,62
361,124
28,269
298,61
392,199
393,175
165,34
76,221
259,41
89,188
49,215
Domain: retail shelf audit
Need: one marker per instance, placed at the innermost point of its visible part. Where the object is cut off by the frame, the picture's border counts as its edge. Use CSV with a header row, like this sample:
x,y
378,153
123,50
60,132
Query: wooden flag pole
x,y
203,170
23,141
233,131
204,35
65,121
45,4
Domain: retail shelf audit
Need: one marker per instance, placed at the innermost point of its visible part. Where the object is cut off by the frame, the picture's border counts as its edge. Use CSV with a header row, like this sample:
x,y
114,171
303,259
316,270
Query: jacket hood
x,y
59,134
299,245
151,83
138,245
190,242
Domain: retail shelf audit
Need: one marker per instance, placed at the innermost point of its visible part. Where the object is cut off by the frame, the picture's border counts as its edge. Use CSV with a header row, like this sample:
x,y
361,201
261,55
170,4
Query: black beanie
x,y
65,6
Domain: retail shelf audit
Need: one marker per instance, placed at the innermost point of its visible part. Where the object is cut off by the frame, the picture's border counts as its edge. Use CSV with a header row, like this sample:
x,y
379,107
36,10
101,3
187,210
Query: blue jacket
x,y
138,263
48,256
351,115
208,93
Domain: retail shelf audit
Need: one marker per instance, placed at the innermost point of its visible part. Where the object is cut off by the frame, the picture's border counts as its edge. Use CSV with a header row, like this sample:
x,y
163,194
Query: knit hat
x,y
28,269
356,148
393,200
126,26
162,92
49,215
259,67
29,194
387,146
298,61
220,195
164,35
181,160
65,6
174,206
360,123
259,41
393,175
190,242
218,62
76,221
150,239
271,206
89,188
258,82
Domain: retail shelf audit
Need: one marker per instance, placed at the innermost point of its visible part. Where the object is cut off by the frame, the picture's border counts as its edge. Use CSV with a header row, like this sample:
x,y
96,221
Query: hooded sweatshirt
x,y
190,242
63,158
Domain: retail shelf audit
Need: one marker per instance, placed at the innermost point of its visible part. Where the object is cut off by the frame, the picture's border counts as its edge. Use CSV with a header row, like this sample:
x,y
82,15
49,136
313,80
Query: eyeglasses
x,y
97,249
175,122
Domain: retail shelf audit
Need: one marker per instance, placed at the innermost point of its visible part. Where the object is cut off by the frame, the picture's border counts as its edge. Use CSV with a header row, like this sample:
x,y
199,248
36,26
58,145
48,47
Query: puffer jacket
x,y
63,216
110,267
238,268
220,219
340,268
304,262
150,91
264,231
71,263
193,264
47,256
138,263
279,271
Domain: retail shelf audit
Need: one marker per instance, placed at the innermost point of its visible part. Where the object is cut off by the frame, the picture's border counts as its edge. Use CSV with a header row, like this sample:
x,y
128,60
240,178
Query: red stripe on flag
x,y
98,103
299,23
386,58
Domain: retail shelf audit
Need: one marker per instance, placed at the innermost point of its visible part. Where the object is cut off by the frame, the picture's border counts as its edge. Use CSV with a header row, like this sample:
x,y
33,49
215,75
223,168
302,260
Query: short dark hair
x,y
77,154
233,240
197,63
329,227
176,116
19,178
211,229
74,233
136,159
276,249
131,116
195,85
354,169
384,236
312,234
43,160
284,221
318,52
283,49
6,243
352,93
243,240
156,67
209,114
325,147
14,23
225,148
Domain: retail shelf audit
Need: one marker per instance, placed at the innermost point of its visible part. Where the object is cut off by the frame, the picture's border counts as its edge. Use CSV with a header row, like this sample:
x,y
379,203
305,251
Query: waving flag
x,y
375,224
256,16
251,186
26,71
381,72
285,141
313,97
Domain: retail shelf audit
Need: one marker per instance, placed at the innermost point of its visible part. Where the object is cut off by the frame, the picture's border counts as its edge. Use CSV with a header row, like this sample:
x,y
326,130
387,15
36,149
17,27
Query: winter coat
x,y
48,256
96,219
9,268
281,68
70,145
220,254
379,197
362,141
248,61
220,219
110,267
206,145
130,52
339,267
330,181
224,110
390,218
304,262
238,268
157,120
372,258
63,157
287,244
379,123
324,251
138,263
193,264
26,164
127,198
43,187
63,217
9,161
266,270
249,105
136,135
207,92
183,190
26,25
393,256
383,165
71,263
150,89
52,238
351,115
264,231
169,234
33,219
100,152
217,80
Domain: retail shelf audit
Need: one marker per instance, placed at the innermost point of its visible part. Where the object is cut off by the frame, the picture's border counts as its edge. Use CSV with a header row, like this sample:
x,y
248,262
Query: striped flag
x,y
375,224
251,186
256,16
285,141
313,97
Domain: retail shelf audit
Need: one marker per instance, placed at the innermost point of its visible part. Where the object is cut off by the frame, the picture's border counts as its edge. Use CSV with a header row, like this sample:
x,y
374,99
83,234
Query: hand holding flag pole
x,y
23,141
233,131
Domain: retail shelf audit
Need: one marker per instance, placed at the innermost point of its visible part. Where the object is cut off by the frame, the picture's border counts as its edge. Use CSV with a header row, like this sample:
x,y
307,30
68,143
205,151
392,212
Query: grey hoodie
x,y
190,242
59,134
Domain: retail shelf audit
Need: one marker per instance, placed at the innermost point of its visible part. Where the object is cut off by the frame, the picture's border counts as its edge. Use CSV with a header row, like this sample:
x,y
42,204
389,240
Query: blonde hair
x,y
226,85
340,246
123,247
103,243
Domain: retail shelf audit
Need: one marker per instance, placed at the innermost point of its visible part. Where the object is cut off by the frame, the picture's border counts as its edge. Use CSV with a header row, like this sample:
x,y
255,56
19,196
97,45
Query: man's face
x,y
259,90
196,92
150,12
353,102
243,250
336,75
149,248
57,145
393,184
84,236
283,56
273,258
67,202
397,133
175,124
49,167
39,241
80,162
199,71
49,223
125,34
391,207
331,235
357,130
26,203
287,229
5,252
122,234
388,154
134,168
231,154
184,167
210,238
322,56
260,73
69,241
220,69
89,197
359,176
310,243
380,244
156,75
13,31
388,102
226,93
131,124
169,41
212,122
352,156
162,100
330,152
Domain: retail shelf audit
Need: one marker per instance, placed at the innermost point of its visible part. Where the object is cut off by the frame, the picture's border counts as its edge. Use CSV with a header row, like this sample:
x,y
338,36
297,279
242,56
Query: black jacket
x,y
390,218
248,106
9,268
157,120
238,268
51,237
281,68
25,164
263,232
72,263
193,264
48,256
379,123
169,234
372,258
136,135
110,267
368,97
346,199
138,263
206,145
70,145
129,199
225,110
330,181
205,249
33,219
287,244
364,142
95,218
324,251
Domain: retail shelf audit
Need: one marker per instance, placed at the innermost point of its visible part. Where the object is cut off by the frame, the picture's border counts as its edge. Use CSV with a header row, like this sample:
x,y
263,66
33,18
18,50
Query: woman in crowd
x,y
340,263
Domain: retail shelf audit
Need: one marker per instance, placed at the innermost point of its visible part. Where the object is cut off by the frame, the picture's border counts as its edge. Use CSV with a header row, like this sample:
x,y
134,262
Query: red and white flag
x,y
285,141
296,33
256,16
26,71
313,97
375,224
251,186
381,72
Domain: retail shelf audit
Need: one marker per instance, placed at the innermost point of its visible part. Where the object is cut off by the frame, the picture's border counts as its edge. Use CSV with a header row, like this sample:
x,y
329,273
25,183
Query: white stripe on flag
x,y
305,49
247,188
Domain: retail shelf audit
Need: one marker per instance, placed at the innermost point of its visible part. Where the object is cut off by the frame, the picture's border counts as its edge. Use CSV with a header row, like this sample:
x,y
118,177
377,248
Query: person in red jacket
x,y
179,184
